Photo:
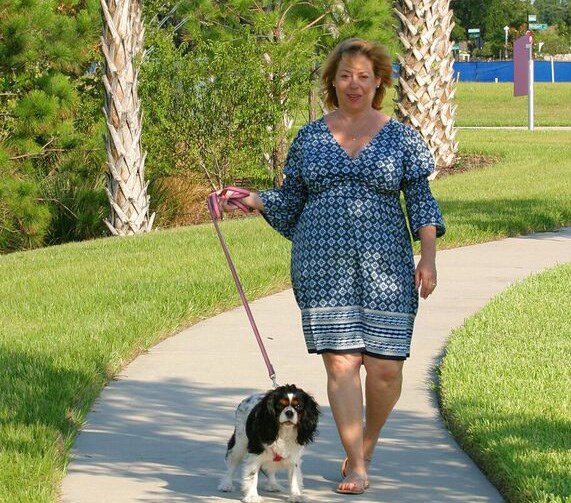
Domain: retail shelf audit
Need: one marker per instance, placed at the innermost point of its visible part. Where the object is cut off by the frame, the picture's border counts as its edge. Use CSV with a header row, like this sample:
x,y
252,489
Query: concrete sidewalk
x,y
158,433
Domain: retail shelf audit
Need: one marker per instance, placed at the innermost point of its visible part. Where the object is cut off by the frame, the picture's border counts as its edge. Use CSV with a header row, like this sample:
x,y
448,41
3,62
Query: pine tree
x,y
42,66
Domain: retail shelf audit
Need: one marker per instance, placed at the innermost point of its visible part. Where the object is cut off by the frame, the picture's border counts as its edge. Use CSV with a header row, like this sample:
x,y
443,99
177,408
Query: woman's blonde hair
x,y
377,54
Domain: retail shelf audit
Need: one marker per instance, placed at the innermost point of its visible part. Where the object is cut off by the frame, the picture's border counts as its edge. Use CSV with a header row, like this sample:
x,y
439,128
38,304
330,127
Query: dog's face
x,y
290,406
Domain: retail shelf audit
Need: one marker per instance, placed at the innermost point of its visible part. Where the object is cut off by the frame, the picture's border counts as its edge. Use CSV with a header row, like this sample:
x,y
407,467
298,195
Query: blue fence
x,y
489,71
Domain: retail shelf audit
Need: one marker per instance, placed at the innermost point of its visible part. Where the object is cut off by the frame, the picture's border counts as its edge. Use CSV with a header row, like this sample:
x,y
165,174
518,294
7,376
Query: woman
x,y
352,267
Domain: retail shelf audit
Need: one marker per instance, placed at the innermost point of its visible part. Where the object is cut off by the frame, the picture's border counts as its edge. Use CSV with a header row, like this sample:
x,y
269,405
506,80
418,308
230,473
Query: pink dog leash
x,y
234,194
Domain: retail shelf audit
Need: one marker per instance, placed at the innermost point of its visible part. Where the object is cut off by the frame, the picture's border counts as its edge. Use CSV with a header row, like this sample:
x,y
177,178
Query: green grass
x,y
528,189
504,386
494,105
483,104
490,104
71,316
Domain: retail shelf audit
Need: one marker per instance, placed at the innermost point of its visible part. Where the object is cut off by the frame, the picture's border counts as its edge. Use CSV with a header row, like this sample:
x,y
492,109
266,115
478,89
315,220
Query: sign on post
x,y
523,71
521,65
474,36
538,26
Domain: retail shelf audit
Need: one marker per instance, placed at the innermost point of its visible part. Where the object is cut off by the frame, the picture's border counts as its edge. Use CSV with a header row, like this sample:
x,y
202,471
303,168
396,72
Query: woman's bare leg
x,y
383,386
346,400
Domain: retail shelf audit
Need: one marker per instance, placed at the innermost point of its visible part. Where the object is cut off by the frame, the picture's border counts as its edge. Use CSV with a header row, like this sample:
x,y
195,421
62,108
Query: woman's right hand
x,y
252,201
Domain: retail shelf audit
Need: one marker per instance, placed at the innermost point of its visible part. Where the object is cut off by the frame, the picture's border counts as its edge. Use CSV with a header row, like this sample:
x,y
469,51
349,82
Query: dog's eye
x,y
296,404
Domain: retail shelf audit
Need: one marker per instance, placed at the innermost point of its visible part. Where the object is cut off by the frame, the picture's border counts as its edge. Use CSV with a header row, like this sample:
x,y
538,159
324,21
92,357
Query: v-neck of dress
x,y
365,147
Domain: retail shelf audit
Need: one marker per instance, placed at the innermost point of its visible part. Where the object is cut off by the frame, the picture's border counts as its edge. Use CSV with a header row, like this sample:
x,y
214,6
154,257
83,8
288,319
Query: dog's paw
x,y
297,498
225,486
252,498
274,487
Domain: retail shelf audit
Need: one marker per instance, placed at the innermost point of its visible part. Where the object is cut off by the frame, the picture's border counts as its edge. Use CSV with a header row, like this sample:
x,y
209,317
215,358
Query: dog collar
x,y
277,457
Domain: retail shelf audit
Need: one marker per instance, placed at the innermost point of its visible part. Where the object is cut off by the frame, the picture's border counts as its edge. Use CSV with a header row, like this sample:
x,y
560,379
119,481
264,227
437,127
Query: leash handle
x,y
237,193
215,215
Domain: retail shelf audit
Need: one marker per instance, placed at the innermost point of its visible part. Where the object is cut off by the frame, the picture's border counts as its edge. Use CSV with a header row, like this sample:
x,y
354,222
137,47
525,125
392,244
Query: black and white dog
x,y
271,431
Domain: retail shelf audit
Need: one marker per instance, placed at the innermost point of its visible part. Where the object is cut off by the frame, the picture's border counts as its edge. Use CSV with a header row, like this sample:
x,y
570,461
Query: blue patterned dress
x,y
352,266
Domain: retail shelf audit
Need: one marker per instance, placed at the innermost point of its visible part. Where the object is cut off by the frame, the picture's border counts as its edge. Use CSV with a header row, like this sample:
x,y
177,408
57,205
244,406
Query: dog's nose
x,y
289,414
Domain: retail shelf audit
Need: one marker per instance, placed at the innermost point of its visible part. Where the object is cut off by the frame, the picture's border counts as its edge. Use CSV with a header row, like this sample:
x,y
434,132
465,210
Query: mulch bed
x,y
467,162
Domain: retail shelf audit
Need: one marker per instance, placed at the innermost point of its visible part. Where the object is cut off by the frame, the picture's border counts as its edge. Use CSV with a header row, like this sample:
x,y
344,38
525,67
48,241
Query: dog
x,y
271,431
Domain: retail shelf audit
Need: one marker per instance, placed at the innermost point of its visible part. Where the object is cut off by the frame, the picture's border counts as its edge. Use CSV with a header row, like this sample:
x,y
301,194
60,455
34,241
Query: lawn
x,y
490,104
504,387
527,189
72,316
483,104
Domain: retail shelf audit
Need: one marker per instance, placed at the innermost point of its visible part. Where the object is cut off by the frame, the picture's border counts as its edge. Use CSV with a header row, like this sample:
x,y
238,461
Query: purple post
x,y
521,65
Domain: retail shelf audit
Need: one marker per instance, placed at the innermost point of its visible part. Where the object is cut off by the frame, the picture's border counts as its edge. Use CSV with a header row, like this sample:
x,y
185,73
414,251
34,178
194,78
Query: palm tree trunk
x,y
122,44
426,85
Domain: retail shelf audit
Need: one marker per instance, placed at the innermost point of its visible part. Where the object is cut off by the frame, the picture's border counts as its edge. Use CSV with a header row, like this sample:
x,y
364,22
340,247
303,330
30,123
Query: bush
x,y
24,222
556,40
78,205
207,115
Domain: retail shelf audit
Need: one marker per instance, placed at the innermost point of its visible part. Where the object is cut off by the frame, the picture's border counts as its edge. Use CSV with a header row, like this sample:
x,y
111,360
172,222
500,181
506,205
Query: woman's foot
x,y
344,466
353,483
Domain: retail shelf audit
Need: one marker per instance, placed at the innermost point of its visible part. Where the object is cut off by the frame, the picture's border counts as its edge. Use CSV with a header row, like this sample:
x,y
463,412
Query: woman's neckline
x,y
365,146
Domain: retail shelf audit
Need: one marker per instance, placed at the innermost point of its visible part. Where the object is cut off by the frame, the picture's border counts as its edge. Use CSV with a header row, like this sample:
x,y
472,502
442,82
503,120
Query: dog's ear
x,y
262,424
307,428
269,423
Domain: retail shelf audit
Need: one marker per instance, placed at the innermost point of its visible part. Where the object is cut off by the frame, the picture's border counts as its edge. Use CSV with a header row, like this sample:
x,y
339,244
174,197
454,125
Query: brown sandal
x,y
344,475
344,467
360,484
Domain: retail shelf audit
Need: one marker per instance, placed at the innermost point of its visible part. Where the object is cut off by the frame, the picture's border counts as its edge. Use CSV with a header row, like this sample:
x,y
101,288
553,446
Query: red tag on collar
x,y
277,457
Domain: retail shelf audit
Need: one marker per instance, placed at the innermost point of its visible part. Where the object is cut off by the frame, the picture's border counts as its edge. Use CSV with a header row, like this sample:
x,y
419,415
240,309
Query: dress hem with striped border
x,y
354,329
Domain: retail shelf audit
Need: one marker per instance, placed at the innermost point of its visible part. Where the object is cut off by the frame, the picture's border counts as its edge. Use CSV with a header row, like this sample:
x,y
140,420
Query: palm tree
x,y
426,85
122,44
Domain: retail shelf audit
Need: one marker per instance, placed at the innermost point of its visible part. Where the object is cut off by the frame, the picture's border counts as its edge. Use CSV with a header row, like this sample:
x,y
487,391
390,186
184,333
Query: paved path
x,y
158,433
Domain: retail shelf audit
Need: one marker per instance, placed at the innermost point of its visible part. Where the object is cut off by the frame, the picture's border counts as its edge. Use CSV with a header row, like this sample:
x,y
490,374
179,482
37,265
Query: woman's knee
x,y
387,371
339,365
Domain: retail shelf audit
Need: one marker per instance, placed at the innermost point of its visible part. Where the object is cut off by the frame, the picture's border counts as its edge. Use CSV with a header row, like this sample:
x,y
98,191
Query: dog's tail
x,y
231,442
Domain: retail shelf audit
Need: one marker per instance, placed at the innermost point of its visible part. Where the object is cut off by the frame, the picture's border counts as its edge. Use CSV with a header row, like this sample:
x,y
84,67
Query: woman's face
x,y
355,83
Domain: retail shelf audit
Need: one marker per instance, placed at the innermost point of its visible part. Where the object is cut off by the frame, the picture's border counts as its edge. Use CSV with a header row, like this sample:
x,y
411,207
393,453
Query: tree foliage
x,y
46,135
553,12
492,15
556,39
222,83
207,114
292,35
502,13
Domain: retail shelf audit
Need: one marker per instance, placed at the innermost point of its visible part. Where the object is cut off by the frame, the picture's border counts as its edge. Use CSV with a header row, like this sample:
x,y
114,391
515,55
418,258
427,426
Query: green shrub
x,y
24,222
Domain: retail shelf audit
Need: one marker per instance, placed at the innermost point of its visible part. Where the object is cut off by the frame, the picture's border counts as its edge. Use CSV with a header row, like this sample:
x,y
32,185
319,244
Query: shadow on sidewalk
x,y
176,434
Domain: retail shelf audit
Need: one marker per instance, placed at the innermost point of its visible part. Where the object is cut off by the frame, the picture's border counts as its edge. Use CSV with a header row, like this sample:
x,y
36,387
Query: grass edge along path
x,y
504,388
72,316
